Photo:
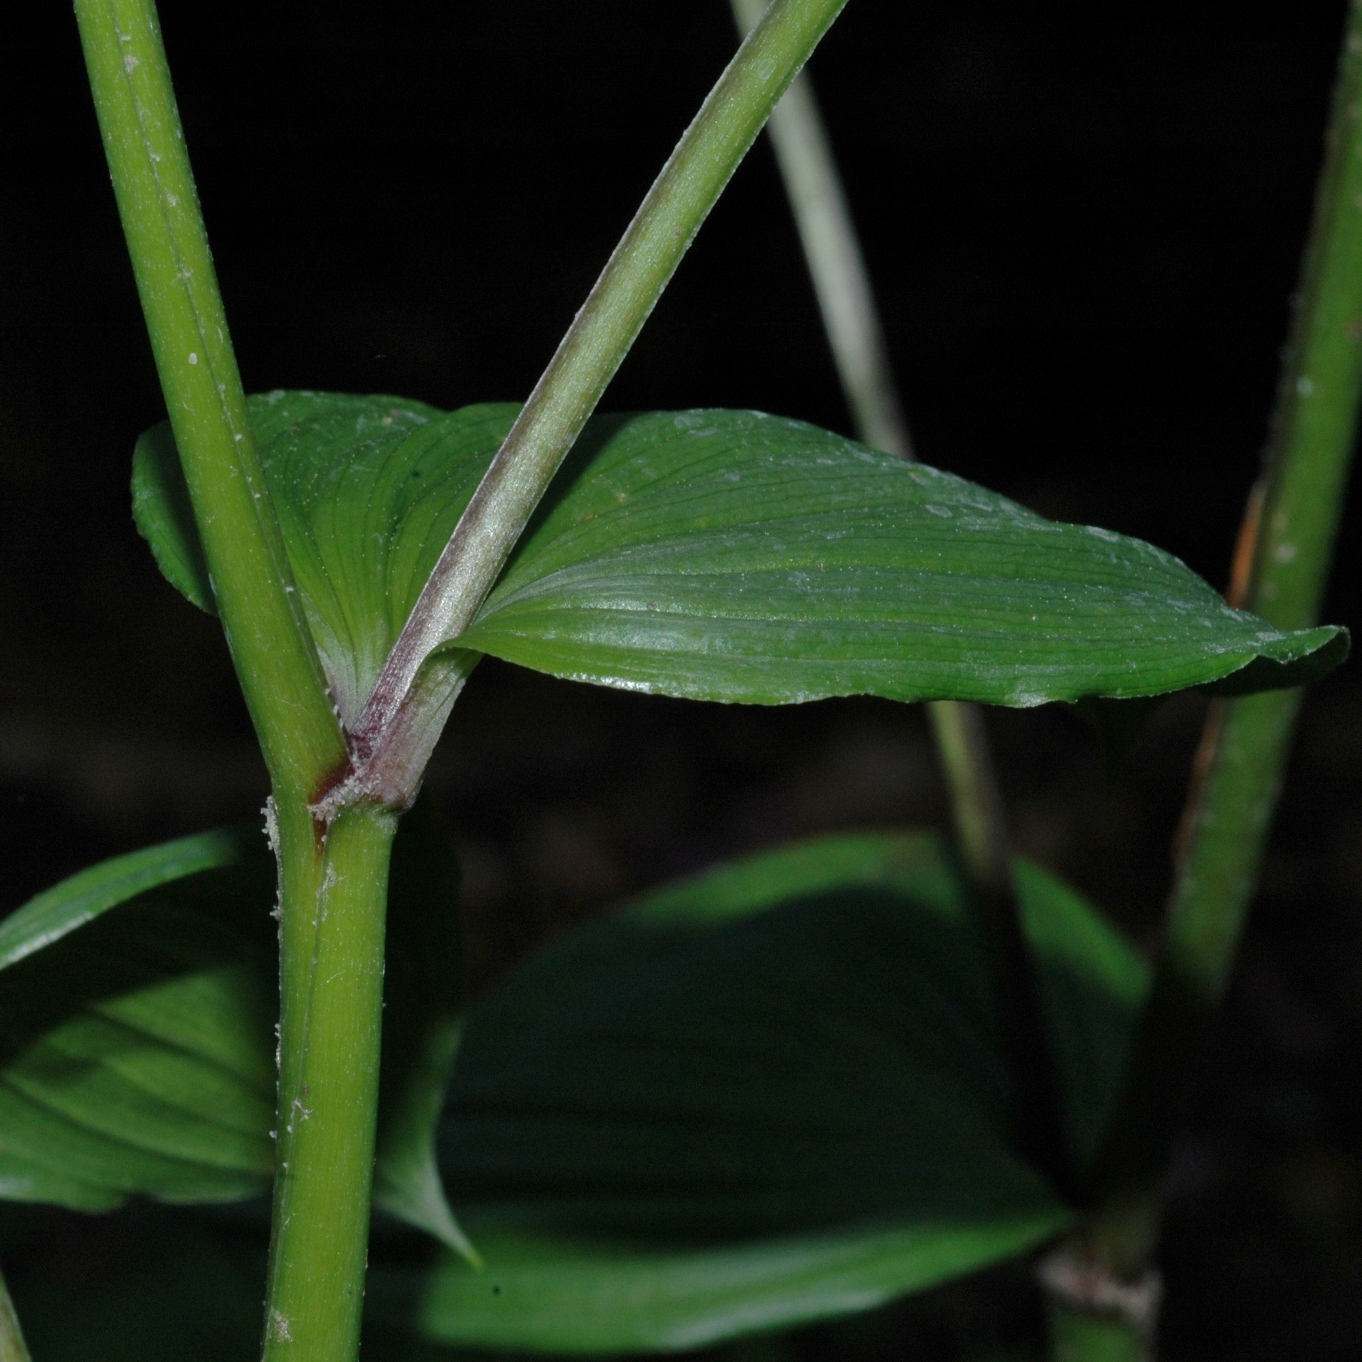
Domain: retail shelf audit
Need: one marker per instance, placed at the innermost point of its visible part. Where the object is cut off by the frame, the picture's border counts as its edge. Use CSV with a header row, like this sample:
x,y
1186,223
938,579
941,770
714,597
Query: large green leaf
x,y
735,556
767,1095
137,1007
725,555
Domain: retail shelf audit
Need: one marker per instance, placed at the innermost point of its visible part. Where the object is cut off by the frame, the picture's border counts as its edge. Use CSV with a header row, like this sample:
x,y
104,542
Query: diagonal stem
x,y
600,336
851,320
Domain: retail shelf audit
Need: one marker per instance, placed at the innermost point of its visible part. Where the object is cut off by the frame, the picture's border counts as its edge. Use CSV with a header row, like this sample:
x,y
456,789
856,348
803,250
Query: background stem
x,y
329,1088
12,1345
851,320
595,345
1284,562
271,645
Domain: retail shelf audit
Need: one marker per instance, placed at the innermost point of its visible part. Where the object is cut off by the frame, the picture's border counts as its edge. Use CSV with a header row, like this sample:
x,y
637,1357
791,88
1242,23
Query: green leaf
x,y
52,914
767,1095
724,555
733,556
136,1053
422,1016
137,1045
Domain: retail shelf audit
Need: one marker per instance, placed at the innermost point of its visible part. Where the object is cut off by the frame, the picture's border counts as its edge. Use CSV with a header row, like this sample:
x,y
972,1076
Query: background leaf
x,y
724,555
137,1053
767,1095
422,1012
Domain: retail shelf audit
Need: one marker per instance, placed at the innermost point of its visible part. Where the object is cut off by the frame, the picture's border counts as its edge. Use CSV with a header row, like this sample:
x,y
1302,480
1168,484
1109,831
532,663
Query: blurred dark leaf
x,y
767,1095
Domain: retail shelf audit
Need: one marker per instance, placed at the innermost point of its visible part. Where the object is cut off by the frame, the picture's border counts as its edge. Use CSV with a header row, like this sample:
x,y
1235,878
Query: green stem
x,y
833,254
12,1345
846,300
593,349
1082,1336
1290,534
331,944
271,646
331,881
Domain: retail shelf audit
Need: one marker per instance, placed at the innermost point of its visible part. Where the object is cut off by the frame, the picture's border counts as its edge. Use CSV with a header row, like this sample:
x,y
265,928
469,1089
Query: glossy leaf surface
x,y
766,1095
137,1028
725,555
733,556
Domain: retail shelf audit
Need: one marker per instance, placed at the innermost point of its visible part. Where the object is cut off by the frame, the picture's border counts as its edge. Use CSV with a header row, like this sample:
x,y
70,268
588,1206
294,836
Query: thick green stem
x,y
271,646
331,887
1287,548
591,351
846,300
12,1345
332,968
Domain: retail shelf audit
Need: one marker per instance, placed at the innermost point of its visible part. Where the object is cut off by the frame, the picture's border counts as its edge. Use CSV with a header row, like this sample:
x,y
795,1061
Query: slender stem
x,y
833,254
851,320
594,347
329,1088
12,1345
271,646
1290,531
331,880
981,837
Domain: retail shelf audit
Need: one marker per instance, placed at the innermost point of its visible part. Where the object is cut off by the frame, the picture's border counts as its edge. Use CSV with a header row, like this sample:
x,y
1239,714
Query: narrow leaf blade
x,y
50,915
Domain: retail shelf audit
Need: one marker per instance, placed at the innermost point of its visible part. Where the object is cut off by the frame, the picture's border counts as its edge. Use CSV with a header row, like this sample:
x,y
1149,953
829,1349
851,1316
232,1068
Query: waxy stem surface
x,y
334,893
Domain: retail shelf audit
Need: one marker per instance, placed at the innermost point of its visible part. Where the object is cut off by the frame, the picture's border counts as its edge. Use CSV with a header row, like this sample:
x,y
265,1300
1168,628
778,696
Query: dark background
x,y
1084,223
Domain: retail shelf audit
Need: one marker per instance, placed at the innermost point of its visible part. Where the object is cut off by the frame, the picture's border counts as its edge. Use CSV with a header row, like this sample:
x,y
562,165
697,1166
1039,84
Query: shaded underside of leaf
x,y
760,1097
724,555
